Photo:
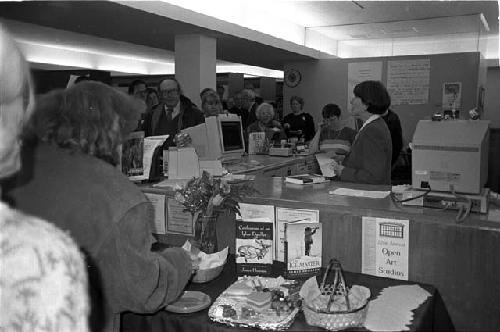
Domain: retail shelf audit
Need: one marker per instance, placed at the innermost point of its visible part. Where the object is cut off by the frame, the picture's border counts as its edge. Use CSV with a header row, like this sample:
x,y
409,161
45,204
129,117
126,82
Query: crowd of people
x,y
97,220
360,152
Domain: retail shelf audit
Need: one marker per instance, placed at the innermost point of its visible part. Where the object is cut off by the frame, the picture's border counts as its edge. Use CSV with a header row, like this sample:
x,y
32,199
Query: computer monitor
x,y
231,134
220,137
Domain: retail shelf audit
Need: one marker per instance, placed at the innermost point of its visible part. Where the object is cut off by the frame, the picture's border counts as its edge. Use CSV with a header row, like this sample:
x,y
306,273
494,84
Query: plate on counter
x,y
190,301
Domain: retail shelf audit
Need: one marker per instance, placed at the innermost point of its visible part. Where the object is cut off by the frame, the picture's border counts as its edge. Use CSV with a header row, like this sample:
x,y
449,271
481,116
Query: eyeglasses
x,y
169,92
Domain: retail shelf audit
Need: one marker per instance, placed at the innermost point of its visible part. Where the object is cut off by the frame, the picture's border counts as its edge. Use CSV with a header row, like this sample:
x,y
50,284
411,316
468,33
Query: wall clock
x,y
292,77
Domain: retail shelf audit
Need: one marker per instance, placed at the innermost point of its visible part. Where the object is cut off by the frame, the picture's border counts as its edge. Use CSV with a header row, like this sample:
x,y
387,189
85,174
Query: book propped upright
x,y
305,179
254,247
131,159
137,155
303,249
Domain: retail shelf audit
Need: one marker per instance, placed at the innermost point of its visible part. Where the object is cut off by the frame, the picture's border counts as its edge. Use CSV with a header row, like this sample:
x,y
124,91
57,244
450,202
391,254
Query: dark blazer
x,y
303,121
394,125
189,116
369,160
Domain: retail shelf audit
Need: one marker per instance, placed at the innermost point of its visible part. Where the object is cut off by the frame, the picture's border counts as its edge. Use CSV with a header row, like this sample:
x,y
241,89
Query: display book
x,y
136,155
305,179
254,247
303,249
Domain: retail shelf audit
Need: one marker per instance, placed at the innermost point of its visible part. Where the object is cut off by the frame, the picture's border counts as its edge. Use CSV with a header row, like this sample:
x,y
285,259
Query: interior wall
x,y
325,81
492,97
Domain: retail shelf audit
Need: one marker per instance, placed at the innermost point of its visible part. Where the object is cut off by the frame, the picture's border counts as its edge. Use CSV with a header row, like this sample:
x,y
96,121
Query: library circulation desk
x,y
461,260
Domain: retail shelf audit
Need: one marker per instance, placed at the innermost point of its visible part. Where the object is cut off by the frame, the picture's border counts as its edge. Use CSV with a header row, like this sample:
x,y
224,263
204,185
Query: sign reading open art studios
x,y
385,247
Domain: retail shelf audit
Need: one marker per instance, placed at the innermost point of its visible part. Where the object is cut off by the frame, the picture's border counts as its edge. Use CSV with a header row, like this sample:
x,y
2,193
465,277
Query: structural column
x,y
195,57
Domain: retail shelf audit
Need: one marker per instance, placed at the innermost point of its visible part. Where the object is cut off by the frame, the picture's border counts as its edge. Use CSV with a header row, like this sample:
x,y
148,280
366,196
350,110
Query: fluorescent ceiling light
x,y
92,59
249,70
128,64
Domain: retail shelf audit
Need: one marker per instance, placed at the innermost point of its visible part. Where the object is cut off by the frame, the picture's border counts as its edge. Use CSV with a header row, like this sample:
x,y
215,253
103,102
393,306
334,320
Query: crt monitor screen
x,y
231,136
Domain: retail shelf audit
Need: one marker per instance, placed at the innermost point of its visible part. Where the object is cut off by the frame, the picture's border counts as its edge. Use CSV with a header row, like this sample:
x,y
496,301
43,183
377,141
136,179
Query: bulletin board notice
x,y
358,72
408,81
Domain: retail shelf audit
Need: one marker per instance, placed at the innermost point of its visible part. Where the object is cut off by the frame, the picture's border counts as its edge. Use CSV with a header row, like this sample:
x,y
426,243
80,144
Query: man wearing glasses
x,y
174,113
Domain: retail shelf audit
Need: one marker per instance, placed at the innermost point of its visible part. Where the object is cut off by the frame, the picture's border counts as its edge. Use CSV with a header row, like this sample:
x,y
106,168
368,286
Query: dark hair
x,y
150,91
374,95
300,100
179,88
135,83
330,110
91,117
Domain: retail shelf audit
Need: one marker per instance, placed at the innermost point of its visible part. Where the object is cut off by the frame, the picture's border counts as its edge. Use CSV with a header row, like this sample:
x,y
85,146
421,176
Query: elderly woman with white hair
x,y
266,123
43,279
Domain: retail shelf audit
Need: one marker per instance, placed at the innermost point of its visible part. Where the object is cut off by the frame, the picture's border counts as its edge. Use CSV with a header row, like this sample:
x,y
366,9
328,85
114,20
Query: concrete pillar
x,y
235,83
268,88
195,57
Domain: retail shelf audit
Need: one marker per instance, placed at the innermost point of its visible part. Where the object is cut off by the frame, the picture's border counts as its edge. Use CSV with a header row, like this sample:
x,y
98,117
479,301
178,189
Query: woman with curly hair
x,y
76,134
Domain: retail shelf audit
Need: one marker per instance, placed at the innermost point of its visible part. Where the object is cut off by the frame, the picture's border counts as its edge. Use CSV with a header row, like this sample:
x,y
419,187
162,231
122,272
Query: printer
x,y
450,155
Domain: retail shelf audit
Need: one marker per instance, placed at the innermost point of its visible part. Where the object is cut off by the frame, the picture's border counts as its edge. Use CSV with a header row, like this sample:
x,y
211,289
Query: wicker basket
x,y
202,276
334,321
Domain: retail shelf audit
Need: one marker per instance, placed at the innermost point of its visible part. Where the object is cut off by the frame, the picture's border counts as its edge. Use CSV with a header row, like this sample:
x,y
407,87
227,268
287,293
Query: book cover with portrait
x,y
303,249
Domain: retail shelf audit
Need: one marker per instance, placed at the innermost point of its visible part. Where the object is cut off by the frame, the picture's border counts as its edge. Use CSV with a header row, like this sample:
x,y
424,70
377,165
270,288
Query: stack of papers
x,y
392,309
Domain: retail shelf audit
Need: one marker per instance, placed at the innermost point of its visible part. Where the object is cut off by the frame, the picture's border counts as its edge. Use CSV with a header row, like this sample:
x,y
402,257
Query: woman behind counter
x,y
266,123
369,160
333,136
75,184
298,123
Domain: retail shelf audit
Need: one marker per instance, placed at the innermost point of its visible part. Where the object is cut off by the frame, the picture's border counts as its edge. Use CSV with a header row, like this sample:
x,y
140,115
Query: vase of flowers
x,y
206,197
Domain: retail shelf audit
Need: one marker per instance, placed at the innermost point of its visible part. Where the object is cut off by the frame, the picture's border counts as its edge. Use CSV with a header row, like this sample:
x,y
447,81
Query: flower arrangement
x,y
210,196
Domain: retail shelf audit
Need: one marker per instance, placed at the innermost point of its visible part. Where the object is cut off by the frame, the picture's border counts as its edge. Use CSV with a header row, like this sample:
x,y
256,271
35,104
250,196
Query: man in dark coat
x,y
174,113
394,125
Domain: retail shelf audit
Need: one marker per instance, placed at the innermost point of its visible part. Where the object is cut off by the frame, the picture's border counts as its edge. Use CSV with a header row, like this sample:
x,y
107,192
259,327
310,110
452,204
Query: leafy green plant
x,y
210,196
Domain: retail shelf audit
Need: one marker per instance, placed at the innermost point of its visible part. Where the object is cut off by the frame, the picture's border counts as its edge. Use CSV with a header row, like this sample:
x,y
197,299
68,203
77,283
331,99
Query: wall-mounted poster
x,y
452,95
358,72
408,81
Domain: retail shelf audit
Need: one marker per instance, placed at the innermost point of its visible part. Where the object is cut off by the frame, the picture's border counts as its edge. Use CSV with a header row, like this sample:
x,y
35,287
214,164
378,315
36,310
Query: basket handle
x,y
338,282
325,275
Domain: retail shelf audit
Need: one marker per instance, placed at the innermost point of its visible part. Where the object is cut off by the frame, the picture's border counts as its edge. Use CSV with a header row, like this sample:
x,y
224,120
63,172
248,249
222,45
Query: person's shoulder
x,y
377,128
48,264
90,172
